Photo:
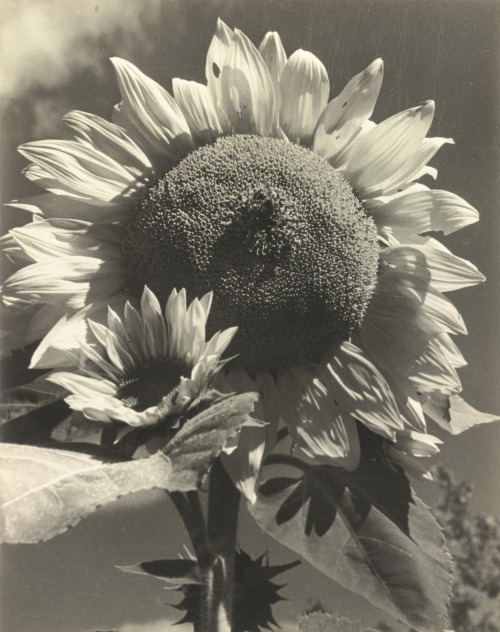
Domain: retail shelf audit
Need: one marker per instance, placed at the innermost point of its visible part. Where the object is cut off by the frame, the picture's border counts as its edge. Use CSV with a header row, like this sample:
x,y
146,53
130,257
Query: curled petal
x,y
388,155
344,115
247,91
304,89
149,114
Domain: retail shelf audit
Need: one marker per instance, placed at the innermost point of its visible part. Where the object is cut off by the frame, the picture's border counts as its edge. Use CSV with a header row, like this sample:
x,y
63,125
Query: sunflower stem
x,y
218,589
189,507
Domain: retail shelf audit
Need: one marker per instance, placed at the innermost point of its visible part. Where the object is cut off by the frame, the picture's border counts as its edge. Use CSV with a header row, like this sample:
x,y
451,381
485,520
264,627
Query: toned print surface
x,y
289,284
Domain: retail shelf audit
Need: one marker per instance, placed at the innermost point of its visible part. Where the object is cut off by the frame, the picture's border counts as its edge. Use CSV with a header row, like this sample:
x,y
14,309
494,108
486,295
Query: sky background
x,y
54,57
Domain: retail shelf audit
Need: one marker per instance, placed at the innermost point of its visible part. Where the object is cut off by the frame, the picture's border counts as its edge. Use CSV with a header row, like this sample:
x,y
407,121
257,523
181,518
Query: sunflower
x,y
304,217
146,366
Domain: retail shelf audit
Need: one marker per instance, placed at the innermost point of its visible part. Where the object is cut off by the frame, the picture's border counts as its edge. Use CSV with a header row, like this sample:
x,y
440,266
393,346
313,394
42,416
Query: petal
x,y
304,89
409,356
194,334
51,205
155,330
274,56
429,263
318,425
70,331
344,115
72,281
79,169
219,342
175,312
109,139
246,88
422,210
216,55
415,301
149,114
82,385
47,240
243,464
384,157
417,443
361,390
195,102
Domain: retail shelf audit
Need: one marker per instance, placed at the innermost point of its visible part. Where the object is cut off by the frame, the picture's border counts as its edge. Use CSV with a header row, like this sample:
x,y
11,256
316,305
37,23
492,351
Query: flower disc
x,y
274,231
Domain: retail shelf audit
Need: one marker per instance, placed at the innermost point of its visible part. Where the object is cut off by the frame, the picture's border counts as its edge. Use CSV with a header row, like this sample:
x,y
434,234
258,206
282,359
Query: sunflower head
x,y
147,365
275,231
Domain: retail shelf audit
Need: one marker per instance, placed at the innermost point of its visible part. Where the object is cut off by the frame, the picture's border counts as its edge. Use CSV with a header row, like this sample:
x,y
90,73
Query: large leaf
x,y
22,400
374,537
44,491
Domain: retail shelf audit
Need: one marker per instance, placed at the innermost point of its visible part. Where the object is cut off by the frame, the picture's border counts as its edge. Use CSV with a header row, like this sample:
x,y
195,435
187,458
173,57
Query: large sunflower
x,y
302,215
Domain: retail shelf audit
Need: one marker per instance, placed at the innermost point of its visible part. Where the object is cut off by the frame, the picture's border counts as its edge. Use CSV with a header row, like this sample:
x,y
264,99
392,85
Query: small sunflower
x,y
146,366
302,215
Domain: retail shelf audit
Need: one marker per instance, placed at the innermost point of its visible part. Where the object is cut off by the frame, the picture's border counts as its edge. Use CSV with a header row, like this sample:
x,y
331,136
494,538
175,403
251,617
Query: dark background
x,y
54,58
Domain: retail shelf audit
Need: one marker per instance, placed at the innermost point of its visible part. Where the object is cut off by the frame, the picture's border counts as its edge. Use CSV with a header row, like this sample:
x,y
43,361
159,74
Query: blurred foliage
x,y
474,542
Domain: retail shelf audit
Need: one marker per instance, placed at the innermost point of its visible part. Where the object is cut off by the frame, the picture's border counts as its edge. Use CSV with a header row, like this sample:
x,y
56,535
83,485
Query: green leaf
x,y
21,400
381,542
454,414
44,491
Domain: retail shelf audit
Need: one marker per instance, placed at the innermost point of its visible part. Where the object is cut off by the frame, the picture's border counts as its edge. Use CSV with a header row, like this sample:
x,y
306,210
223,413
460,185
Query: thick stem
x,y
189,508
223,508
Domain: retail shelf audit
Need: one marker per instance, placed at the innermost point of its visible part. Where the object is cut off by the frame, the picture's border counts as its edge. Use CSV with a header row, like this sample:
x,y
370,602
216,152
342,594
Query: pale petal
x,y
51,205
194,336
72,281
418,444
155,331
385,157
195,102
149,114
422,210
79,169
81,385
70,331
343,116
274,56
219,342
216,55
109,139
175,312
243,463
429,263
47,240
304,89
361,390
246,88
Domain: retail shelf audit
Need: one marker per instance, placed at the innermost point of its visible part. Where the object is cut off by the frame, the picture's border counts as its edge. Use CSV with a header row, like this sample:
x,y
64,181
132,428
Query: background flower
x,y
441,51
